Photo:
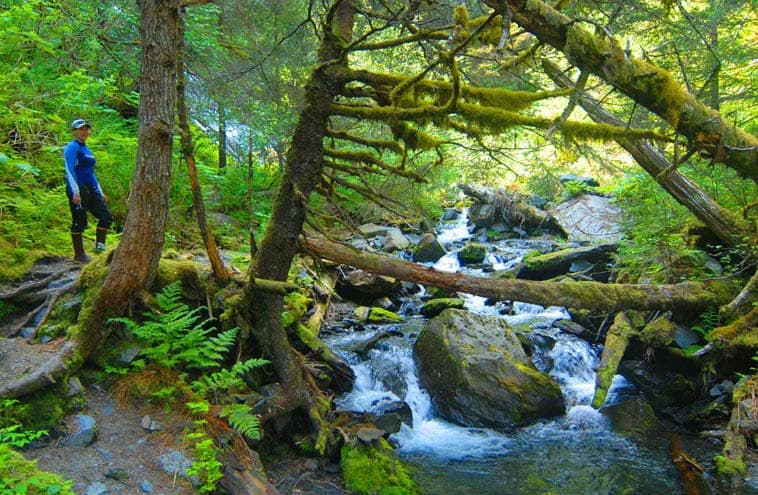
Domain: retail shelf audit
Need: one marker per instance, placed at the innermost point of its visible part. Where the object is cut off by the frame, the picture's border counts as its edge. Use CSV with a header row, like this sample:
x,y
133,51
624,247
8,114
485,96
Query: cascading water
x,y
576,453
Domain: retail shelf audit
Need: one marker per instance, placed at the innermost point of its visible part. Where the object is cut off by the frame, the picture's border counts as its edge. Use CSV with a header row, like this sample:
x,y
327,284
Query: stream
x,y
576,453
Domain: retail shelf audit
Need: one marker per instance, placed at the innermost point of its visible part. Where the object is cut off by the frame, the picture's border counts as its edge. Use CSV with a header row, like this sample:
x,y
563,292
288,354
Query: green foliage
x,y
655,249
19,476
574,188
226,379
177,337
205,466
709,320
241,419
11,433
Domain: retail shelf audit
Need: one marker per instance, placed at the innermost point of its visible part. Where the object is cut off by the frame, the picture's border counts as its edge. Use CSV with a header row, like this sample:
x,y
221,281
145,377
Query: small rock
x,y
96,488
150,424
86,430
449,214
74,387
146,486
128,355
368,435
106,455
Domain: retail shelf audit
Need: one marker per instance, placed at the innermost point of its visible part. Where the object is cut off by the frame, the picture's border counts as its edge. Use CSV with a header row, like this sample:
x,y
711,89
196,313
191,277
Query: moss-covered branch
x,y
367,157
642,81
693,297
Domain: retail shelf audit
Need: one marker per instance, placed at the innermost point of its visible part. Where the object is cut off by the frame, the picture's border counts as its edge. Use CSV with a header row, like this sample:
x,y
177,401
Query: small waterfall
x,y
575,453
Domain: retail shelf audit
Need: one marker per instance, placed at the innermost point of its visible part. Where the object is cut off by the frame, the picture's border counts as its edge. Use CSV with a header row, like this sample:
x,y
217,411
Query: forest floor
x,y
125,456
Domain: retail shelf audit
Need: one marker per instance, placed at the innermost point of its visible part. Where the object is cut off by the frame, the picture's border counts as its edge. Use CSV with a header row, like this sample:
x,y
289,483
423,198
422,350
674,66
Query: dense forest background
x,y
246,69
327,115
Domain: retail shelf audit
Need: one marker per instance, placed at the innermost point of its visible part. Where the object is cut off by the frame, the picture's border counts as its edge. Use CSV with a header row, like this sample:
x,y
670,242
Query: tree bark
x,y
136,258
729,228
693,297
217,264
642,81
261,312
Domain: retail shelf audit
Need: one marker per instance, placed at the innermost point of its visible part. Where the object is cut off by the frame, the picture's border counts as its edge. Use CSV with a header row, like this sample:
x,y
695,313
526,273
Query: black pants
x,y
91,202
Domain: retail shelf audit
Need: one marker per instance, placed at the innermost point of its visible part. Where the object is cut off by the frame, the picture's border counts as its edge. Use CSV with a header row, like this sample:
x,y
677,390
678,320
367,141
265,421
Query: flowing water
x,y
576,453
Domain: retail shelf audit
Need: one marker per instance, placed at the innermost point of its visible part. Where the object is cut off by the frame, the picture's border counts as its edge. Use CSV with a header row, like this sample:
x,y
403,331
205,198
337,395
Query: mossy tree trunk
x,y
694,297
728,227
648,85
261,312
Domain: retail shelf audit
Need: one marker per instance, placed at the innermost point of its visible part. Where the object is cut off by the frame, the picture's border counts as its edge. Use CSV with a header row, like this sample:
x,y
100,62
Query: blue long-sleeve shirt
x,y
80,167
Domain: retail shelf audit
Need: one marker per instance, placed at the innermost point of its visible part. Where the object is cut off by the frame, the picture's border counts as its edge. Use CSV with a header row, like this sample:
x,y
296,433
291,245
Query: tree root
x,y
45,374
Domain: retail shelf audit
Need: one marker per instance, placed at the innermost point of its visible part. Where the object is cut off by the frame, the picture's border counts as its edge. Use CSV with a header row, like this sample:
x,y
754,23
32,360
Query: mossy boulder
x,y
375,470
428,249
434,307
381,315
472,253
477,373
539,266
633,418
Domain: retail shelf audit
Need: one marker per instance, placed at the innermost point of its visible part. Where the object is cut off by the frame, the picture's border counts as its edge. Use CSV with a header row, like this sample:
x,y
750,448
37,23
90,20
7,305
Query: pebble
x,y
96,489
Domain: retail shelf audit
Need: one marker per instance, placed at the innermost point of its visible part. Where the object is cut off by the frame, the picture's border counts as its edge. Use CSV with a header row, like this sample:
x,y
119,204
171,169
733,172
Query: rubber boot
x,y
100,234
79,254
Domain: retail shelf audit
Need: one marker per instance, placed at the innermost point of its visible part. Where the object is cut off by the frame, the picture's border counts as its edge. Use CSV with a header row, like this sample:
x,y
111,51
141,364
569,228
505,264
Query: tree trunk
x,y
136,258
645,83
262,311
729,228
221,137
217,265
692,297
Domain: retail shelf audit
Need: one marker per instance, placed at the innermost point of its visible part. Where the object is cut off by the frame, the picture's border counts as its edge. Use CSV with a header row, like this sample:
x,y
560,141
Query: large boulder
x,y
428,249
591,260
477,373
589,218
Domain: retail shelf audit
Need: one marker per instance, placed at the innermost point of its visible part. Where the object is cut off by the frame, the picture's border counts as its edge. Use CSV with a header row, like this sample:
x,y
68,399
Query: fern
x,y
177,336
240,418
224,379
709,320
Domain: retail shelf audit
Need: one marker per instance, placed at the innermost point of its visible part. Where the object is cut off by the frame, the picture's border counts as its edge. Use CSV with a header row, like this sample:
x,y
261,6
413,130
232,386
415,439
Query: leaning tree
x,y
360,126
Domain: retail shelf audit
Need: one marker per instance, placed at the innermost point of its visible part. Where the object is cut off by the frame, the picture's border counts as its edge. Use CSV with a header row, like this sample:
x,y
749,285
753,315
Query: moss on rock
x,y
436,306
375,470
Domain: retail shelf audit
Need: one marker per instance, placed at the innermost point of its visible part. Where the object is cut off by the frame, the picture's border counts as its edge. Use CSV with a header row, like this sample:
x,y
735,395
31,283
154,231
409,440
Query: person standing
x,y
84,191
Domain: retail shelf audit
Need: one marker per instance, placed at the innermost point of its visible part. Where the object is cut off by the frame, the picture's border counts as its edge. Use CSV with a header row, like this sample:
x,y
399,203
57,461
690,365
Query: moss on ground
x,y
375,470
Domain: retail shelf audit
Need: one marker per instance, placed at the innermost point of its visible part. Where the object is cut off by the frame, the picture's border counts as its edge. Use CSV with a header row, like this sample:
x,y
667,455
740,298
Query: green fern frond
x,y
177,335
240,418
223,380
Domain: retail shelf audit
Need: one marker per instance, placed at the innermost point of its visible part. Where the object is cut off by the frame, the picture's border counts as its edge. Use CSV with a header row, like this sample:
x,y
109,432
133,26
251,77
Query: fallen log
x,y
510,208
613,351
688,470
694,297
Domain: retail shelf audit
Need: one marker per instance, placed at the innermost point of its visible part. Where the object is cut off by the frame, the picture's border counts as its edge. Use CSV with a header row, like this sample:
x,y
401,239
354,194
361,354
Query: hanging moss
x,y
492,33
415,138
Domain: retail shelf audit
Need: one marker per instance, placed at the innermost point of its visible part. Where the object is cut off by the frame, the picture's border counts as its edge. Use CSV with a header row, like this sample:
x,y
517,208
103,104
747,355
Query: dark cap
x,y
79,123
